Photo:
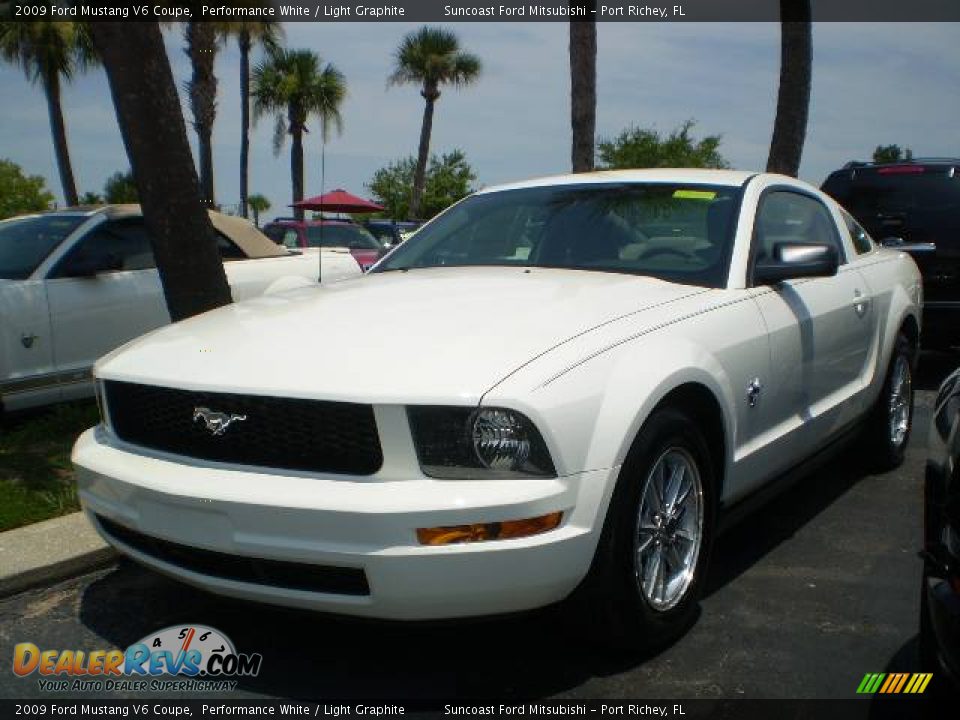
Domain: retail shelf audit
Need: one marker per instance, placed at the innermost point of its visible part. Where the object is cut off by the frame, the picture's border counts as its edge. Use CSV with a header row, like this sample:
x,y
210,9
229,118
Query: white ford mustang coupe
x,y
591,372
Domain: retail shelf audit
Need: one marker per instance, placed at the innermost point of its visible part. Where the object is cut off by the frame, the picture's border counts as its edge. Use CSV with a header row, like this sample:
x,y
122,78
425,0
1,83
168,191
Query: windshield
x,y
26,242
681,233
345,236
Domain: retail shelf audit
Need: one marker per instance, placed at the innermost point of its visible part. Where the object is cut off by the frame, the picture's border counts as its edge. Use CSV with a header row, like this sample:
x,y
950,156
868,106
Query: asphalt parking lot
x,y
805,596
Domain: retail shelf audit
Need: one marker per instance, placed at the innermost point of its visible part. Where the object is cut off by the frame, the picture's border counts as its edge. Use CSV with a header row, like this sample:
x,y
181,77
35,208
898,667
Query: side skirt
x,y
731,515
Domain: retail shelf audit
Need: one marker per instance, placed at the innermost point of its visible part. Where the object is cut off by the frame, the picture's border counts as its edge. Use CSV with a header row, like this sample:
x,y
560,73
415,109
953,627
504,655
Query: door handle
x,y
860,303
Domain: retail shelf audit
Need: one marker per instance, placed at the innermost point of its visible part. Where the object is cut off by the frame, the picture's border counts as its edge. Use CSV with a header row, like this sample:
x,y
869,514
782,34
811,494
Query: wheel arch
x,y
910,327
701,404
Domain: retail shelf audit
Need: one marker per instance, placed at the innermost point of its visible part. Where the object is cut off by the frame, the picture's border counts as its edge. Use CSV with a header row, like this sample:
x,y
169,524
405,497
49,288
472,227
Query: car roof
x,y
252,242
311,223
855,165
694,176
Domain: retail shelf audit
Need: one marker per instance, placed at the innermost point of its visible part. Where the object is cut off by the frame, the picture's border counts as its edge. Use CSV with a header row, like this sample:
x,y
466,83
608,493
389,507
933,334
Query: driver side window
x,y
790,217
114,246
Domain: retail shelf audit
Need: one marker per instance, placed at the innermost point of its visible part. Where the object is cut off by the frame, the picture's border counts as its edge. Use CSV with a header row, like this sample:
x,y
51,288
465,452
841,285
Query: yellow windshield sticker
x,y
695,194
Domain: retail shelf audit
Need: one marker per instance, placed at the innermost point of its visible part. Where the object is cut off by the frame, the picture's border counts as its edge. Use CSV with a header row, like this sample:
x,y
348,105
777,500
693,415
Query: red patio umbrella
x,y
339,201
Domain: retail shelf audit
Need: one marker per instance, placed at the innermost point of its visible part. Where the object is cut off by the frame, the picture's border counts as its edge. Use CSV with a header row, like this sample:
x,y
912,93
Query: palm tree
x,y
793,99
155,136
583,90
267,33
293,85
50,52
431,57
203,41
258,204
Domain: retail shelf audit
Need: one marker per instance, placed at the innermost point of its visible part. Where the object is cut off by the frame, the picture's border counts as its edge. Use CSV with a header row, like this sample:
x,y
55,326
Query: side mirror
x,y
796,260
88,267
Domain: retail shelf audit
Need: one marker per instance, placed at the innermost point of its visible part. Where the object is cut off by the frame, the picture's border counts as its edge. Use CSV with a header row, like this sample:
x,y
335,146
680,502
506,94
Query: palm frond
x,y
279,133
43,49
294,85
432,56
465,69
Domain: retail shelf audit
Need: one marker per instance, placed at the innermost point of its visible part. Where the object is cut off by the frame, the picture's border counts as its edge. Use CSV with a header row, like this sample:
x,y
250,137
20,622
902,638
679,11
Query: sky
x,y
873,84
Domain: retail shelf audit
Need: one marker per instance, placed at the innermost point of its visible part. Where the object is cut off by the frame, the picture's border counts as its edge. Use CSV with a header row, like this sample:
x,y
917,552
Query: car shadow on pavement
x,y
311,655
781,517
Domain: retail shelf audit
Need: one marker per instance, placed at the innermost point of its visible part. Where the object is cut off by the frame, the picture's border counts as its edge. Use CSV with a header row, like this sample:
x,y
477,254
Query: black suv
x,y
914,205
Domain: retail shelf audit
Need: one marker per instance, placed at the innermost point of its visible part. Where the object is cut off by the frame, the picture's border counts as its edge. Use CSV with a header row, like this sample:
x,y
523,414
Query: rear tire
x,y
648,572
891,421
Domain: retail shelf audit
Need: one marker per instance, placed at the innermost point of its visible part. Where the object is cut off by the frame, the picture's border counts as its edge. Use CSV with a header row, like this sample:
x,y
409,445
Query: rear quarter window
x,y
861,239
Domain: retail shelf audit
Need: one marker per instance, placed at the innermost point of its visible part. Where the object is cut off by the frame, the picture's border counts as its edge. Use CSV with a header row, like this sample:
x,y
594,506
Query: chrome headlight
x,y
454,442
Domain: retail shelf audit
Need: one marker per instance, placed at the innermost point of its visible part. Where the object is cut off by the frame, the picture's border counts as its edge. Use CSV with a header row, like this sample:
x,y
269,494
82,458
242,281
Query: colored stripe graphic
x,y
903,680
919,682
870,683
894,683
893,679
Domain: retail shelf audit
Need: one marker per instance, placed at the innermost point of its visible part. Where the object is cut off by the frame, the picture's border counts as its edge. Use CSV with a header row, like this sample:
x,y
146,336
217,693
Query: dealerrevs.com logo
x,y
203,655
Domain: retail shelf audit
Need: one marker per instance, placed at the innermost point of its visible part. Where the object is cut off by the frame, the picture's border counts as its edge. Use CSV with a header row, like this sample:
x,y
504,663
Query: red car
x,y
364,247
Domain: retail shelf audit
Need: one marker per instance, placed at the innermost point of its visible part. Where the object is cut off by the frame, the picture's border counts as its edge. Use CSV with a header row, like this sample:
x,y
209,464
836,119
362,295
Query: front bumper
x,y
336,523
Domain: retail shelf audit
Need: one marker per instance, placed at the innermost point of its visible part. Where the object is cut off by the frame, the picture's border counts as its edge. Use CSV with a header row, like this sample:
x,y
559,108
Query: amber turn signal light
x,y
479,532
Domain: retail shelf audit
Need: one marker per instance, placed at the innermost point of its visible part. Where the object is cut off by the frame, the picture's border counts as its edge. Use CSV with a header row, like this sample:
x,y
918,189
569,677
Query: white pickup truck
x,y
76,284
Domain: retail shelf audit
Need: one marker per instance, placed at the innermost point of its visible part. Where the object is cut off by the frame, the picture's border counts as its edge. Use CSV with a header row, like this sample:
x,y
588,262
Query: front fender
x,y
591,414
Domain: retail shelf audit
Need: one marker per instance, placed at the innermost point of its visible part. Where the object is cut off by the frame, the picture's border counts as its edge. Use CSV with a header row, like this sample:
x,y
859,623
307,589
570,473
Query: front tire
x,y
648,573
888,430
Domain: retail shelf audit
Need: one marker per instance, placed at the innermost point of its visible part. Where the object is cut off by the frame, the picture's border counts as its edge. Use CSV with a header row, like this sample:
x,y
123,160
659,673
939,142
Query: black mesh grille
x,y
275,573
281,433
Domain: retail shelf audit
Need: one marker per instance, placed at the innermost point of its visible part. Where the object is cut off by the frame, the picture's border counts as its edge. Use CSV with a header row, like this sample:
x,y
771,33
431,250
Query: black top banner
x,y
485,10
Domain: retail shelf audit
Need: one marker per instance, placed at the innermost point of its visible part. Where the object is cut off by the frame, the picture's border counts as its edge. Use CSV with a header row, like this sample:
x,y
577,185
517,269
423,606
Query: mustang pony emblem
x,y
216,422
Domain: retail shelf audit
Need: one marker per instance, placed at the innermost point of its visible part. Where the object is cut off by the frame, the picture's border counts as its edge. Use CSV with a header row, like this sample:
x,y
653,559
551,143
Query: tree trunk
x,y
793,99
256,217
296,165
583,91
244,42
51,88
155,136
430,94
202,50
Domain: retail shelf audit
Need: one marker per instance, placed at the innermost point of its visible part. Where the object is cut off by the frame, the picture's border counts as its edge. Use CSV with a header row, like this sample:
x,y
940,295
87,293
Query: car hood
x,y
431,335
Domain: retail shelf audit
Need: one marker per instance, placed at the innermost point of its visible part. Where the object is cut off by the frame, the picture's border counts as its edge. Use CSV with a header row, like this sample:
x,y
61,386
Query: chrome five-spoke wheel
x,y
669,529
900,401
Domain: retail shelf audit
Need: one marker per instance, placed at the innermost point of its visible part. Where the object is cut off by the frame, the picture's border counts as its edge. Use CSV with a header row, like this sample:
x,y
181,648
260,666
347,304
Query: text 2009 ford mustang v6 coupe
x,y
590,371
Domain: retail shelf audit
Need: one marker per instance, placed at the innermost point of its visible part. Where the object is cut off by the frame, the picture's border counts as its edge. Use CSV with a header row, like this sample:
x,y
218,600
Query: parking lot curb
x,y
50,551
